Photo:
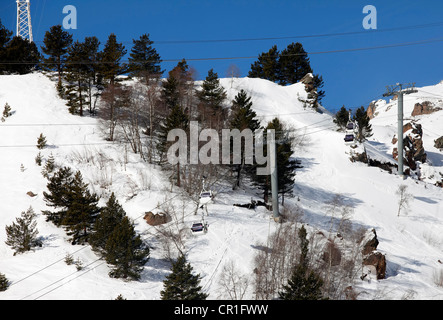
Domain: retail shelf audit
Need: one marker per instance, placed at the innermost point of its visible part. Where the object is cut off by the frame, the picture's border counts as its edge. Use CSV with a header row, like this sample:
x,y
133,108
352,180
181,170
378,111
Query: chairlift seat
x,y
349,138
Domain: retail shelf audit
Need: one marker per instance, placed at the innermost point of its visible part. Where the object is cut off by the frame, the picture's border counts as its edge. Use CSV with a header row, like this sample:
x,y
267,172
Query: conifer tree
x,y
181,284
49,166
363,122
286,165
126,251
5,37
342,117
22,55
81,74
58,195
41,141
144,61
267,66
7,110
212,96
22,234
82,210
304,283
176,119
4,282
294,64
111,65
243,117
56,44
110,216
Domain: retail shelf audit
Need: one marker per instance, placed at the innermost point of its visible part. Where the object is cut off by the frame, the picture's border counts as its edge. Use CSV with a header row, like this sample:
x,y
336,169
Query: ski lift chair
x,y
349,139
205,197
350,126
199,227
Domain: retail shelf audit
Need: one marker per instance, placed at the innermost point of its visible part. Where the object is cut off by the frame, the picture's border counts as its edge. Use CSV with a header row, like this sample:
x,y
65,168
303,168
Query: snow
x,y
412,242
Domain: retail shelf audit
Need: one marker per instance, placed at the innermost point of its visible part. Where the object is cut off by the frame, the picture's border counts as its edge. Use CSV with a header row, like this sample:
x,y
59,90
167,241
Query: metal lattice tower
x,y
24,27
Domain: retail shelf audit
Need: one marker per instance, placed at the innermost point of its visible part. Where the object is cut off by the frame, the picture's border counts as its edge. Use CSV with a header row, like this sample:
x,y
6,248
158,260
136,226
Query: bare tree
x,y
234,283
404,197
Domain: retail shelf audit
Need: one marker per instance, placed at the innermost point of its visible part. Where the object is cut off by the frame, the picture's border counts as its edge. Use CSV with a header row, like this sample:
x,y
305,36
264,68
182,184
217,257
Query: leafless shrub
x,y
404,197
234,283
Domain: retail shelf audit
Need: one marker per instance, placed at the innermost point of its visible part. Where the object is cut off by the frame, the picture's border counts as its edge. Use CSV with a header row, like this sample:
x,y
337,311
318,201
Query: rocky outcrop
x,y
413,149
156,219
374,262
423,108
438,143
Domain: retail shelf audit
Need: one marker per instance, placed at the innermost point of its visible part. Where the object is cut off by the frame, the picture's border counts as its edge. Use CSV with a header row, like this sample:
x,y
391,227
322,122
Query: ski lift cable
x,y
84,247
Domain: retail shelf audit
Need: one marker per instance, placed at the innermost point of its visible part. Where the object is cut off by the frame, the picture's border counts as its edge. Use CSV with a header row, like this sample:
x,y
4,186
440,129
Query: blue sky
x,y
351,78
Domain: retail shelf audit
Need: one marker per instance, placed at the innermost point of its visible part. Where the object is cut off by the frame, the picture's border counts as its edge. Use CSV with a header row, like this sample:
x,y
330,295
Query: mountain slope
x,y
412,242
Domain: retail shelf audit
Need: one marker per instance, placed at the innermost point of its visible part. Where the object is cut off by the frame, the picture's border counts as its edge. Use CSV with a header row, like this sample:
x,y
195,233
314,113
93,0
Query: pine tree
x,y
304,283
286,165
49,166
243,117
294,64
181,284
81,212
364,127
4,282
267,66
126,251
59,195
5,37
342,117
111,65
22,235
110,216
41,141
144,61
176,119
56,44
22,55
7,110
212,96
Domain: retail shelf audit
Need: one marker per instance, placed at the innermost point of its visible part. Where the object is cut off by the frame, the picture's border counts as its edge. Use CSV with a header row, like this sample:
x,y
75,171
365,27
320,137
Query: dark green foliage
x,y
111,65
294,64
242,117
212,94
110,216
304,283
342,117
181,284
286,165
144,61
77,206
56,45
41,141
126,251
22,234
267,66
21,56
286,67
81,74
81,212
176,119
364,127
49,166
4,282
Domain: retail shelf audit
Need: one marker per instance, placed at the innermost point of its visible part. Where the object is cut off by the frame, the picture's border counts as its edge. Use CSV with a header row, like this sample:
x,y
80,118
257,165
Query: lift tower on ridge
x,y
24,27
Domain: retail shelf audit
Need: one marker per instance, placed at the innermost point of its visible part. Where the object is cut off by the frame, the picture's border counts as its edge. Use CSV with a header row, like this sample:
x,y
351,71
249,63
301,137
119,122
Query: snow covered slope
x,y
413,242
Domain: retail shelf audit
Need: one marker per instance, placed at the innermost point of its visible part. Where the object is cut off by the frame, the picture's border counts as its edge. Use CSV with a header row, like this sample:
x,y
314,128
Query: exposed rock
x,y
156,219
423,108
31,194
375,264
412,145
438,143
370,242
